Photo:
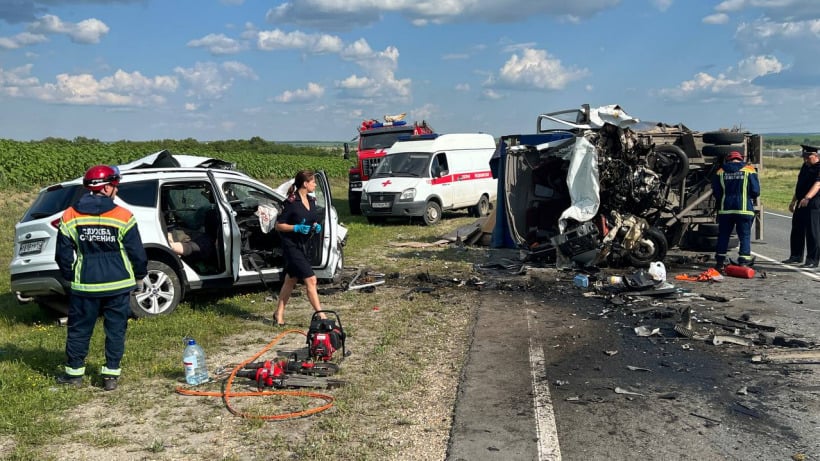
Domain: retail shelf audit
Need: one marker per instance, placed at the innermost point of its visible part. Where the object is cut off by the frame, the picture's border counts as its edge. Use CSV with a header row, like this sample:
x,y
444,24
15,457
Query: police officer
x,y
805,208
735,186
110,263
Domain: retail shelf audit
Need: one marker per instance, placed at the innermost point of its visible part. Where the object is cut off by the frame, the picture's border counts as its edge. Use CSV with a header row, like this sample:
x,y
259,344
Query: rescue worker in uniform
x,y
110,263
734,187
805,208
297,225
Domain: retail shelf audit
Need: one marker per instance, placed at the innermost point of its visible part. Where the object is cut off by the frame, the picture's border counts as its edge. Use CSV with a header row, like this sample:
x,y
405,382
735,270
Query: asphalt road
x,y
557,372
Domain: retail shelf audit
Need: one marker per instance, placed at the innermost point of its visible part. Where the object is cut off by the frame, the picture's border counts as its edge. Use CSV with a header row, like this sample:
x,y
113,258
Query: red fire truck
x,y
375,138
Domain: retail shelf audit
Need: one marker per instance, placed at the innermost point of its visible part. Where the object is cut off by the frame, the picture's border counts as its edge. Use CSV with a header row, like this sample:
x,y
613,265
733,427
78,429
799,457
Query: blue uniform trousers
x,y
83,312
740,223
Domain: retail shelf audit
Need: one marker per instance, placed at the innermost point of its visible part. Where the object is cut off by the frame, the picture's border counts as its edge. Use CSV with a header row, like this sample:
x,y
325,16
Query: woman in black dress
x,y
297,225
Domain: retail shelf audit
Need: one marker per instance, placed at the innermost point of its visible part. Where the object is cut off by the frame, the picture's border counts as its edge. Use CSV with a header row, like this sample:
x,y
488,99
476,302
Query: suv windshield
x,y
405,164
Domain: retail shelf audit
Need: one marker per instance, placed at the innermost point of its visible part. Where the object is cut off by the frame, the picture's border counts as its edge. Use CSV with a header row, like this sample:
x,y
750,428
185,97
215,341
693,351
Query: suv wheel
x,y
163,292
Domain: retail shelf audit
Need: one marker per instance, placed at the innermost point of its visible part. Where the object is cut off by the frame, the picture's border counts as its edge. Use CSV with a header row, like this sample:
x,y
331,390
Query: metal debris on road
x,y
644,331
804,357
718,340
633,368
619,390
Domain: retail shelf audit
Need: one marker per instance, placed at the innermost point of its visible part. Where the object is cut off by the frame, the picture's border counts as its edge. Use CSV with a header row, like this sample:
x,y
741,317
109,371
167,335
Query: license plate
x,y
381,204
31,247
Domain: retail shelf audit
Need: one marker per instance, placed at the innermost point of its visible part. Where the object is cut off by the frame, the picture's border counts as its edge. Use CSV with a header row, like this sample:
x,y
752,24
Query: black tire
x,y
708,243
163,292
708,229
722,151
482,208
723,137
670,162
354,200
651,247
432,213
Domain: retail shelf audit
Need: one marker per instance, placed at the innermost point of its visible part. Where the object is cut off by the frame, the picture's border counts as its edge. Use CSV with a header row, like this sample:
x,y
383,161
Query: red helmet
x,y
98,176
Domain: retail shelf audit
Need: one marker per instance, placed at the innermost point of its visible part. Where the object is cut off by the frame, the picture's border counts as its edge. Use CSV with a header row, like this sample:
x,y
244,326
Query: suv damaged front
x,y
588,190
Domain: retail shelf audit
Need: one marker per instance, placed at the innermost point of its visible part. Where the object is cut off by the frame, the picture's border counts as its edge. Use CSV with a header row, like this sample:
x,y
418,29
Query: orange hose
x,y
226,394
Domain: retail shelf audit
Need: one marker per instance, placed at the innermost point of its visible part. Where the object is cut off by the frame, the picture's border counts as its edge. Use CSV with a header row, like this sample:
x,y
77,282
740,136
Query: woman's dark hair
x,y
300,179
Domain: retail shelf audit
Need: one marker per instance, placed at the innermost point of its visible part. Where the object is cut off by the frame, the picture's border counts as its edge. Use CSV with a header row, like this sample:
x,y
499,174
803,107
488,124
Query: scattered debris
x,y
619,390
631,368
805,357
745,409
742,391
718,340
711,420
750,323
610,353
644,331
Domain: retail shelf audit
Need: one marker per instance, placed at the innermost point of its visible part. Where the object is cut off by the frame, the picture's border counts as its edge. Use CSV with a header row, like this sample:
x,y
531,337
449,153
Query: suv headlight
x,y
408,194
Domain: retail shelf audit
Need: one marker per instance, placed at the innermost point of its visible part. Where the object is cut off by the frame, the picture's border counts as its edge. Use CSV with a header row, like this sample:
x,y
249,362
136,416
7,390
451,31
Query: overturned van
x,y
597,186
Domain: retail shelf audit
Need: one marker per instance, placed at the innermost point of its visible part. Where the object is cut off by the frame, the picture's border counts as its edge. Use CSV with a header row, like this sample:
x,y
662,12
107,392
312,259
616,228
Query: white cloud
x,y
120,89
268,40
535,70
88,31
717,18
209,80
20,40
735,83
217,44
313,92
463,87
491,94
350,14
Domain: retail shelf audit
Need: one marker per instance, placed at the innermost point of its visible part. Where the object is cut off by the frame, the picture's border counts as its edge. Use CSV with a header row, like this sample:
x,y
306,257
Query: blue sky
x,y
314,69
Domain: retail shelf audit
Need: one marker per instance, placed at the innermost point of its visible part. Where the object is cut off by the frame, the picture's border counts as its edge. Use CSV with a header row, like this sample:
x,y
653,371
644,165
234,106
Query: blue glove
x,y
301,228
317,228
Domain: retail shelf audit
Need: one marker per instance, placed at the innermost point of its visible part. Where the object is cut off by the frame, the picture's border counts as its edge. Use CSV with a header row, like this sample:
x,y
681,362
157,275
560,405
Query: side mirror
x,y
347,152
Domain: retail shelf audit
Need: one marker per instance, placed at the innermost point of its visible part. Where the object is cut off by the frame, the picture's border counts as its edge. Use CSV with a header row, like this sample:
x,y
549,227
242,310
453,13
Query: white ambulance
x,y
423,175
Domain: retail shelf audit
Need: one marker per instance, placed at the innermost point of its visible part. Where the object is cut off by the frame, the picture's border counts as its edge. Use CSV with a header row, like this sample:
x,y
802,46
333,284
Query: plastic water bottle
x,y
196,371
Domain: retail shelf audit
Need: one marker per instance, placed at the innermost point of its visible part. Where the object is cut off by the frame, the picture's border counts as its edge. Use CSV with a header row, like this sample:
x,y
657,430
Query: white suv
x,y
179,198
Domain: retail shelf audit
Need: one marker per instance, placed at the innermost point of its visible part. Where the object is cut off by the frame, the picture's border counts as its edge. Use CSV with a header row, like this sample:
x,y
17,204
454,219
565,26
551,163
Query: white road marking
x,y
807,273
777,214
546,430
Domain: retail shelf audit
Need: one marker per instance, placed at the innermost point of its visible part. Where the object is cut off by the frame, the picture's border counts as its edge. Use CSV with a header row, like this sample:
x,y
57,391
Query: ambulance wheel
x,y
651,247
432,213
482,208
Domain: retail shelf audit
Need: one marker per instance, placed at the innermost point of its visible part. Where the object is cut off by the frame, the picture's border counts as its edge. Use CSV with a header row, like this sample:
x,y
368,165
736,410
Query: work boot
x,y
68,380
793,260
109,383
720,267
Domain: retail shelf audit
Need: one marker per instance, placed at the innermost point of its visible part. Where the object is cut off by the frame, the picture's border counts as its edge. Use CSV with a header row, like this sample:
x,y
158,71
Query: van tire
x,y
651,247
482,208
722,151
432,213
723,137
163,292
672,162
